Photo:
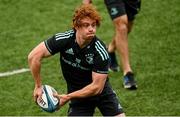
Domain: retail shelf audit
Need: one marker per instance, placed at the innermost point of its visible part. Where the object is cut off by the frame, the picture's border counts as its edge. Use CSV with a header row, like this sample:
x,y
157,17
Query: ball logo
x,y
42,102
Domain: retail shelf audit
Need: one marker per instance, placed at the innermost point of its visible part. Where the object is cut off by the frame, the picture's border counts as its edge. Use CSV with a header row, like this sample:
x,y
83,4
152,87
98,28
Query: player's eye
x,y
93,25
85,25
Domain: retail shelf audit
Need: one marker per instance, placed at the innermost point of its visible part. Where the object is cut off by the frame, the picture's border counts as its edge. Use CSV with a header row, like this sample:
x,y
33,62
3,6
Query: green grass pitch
x,y
154,46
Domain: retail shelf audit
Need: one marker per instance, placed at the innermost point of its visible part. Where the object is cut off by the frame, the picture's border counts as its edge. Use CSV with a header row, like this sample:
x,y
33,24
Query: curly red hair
x,y
86,10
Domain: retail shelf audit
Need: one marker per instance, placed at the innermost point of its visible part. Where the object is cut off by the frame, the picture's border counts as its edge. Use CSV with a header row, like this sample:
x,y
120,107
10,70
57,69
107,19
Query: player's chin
x,y
90,36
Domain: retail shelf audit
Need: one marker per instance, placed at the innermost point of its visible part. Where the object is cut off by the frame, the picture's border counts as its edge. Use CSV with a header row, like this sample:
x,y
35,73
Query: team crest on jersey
x,y
89,58
70,51
78,60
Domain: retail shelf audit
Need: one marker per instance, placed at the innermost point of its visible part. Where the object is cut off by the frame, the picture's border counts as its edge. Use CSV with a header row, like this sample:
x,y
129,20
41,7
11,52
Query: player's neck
x,y
82,42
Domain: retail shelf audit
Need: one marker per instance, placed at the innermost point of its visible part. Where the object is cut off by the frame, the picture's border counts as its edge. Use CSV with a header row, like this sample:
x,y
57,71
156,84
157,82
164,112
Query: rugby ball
x,y
48,102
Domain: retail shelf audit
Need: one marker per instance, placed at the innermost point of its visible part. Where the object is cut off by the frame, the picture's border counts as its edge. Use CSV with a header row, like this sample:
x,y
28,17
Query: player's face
x,y
87,28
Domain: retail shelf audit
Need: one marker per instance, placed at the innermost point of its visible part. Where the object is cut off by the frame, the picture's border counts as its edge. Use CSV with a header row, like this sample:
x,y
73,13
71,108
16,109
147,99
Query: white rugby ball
x,y
48,102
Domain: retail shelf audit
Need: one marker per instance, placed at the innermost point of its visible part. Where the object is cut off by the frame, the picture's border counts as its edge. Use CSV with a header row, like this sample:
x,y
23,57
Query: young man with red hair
x,y
84,62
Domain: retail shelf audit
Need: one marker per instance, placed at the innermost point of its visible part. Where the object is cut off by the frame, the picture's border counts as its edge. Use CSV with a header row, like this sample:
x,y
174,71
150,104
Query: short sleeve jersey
x,y
78,63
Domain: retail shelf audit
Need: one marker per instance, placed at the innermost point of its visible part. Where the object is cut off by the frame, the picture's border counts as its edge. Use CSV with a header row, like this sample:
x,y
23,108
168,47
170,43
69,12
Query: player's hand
x,y
63,99
37,93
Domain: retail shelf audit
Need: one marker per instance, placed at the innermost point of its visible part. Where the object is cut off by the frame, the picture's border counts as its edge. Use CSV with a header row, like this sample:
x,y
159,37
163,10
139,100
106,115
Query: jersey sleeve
x,y
52,45
101,59
58,42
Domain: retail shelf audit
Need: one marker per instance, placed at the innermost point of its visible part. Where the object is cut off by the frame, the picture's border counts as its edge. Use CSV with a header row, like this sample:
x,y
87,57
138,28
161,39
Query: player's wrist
x,y
69,97
38,85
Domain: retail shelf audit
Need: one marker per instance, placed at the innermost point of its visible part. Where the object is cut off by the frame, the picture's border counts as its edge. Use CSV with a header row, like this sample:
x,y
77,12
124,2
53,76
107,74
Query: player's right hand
x,y
37,93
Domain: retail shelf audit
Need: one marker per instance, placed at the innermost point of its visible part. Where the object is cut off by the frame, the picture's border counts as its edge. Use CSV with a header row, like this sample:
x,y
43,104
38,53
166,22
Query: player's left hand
x,y
63,99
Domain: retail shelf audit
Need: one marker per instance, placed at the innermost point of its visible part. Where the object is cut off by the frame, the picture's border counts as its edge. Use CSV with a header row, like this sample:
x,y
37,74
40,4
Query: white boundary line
x,y
18,71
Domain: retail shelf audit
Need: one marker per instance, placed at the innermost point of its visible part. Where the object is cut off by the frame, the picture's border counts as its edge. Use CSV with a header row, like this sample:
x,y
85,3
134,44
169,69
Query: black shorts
x,y
107,103
118,8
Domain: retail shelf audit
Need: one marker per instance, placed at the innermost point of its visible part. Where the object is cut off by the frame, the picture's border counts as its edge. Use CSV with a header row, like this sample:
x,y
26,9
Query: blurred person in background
x,y
122,13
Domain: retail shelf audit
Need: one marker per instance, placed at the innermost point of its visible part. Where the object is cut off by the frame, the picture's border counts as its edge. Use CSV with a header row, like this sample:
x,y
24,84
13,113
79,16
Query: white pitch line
x,y
9,73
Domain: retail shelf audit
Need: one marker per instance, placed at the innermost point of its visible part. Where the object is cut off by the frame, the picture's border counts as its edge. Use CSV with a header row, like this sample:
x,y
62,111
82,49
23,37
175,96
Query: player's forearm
x,y
88,91
34,60
35,65
36,74
92,89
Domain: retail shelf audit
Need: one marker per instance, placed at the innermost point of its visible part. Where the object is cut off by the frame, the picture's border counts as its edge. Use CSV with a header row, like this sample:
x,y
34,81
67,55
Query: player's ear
x,y
76,27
